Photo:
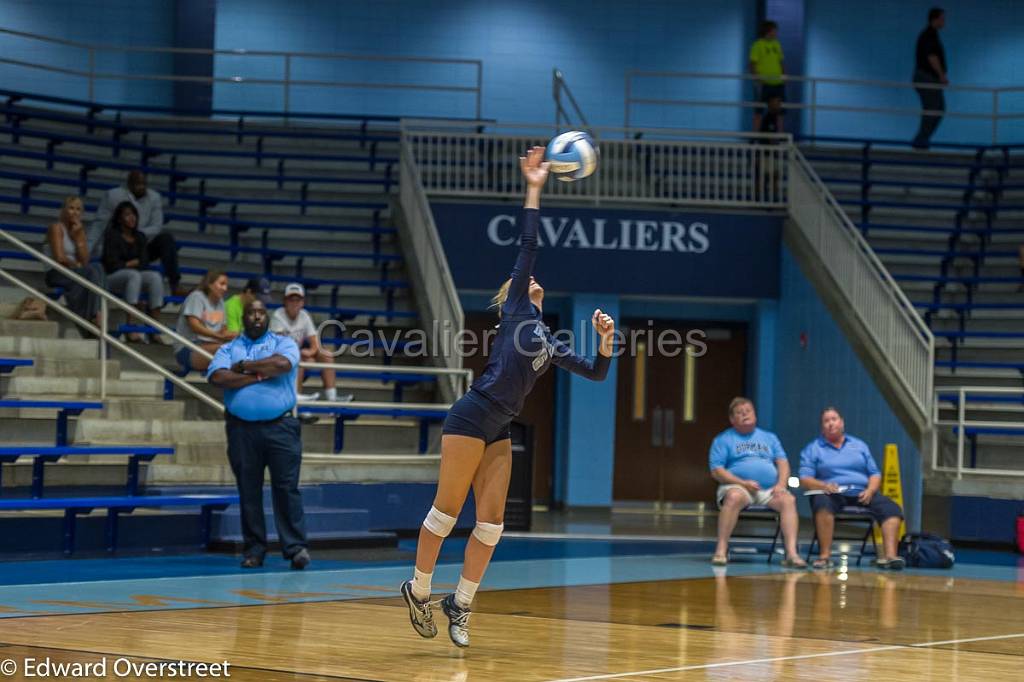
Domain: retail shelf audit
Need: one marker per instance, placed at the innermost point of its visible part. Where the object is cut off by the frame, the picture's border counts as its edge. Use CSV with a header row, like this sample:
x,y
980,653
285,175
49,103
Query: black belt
x,y
232,418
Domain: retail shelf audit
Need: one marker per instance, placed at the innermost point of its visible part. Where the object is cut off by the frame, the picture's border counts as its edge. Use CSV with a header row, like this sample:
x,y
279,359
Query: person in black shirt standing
x,y
929,71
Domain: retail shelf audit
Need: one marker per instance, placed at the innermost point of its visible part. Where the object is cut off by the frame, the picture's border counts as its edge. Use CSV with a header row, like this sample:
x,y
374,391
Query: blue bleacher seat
x,y
41,454
115,506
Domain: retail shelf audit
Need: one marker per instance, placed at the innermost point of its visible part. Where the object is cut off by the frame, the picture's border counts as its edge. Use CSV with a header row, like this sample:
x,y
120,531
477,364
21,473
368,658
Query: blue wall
x,y
593,43
110,22
982,40
828,372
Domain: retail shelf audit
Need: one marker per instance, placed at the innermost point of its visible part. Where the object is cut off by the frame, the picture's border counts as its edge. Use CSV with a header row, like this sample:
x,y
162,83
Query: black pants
x,y
252,448
931,98
80,300
163,248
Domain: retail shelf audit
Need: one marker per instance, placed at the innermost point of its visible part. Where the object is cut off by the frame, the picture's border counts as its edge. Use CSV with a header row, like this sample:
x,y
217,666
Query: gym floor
x,y
627,596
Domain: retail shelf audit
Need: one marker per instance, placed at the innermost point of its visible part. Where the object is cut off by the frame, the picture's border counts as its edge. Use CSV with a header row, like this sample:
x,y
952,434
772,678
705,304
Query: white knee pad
x,y
488,533
439,523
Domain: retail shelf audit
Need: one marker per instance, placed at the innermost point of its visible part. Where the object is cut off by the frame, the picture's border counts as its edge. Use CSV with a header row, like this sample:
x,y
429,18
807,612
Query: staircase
x,y
382,449
948,225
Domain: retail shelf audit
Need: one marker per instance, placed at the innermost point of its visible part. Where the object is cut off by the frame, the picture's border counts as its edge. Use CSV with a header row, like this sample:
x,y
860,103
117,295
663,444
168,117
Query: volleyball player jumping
x,y
475,444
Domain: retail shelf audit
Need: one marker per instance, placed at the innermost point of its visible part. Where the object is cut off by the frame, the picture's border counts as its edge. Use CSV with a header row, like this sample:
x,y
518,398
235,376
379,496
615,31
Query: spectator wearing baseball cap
x,y
293,320
257,288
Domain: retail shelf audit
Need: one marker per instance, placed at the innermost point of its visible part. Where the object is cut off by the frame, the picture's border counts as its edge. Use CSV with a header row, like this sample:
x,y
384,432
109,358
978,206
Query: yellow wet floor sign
x,y
892,485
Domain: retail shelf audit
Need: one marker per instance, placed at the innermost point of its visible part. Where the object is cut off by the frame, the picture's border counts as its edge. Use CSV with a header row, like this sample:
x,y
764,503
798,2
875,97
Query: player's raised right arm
x,y
535,173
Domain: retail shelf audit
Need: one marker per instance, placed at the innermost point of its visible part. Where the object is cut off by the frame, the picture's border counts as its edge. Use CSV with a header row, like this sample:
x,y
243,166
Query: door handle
x,y
670,428
657,420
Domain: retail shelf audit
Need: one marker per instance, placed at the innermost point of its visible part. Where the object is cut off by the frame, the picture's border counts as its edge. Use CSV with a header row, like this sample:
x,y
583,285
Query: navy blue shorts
x,y
477,416
881,507
184,357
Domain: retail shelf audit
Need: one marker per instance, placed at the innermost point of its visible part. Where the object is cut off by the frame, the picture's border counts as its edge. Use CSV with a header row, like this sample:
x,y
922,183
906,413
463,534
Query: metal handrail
x,y
813,106
867,262
961,423
287,57
559,86
664,166
440,298
106,298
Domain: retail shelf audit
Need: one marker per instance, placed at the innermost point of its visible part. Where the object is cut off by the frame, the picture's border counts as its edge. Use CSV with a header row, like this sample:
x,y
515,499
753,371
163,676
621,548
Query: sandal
x,y
820,564
793,563
719,560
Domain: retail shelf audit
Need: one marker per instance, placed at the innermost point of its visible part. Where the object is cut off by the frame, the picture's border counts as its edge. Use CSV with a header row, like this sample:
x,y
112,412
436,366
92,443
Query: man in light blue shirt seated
x,y
257,371
751,468
841,471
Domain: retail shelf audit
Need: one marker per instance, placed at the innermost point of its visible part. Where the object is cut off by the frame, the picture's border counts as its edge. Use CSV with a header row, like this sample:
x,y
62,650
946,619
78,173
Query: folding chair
x,y
761,513
851,514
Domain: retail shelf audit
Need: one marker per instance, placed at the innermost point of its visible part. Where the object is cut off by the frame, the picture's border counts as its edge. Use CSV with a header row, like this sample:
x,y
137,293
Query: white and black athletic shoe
x,y
420,616
458,621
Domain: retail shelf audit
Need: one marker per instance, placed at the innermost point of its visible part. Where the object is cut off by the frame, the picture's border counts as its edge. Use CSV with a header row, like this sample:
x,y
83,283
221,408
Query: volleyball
x,y
572,155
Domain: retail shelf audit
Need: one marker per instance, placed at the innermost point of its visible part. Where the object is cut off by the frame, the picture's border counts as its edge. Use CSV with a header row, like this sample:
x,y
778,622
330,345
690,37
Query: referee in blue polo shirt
x,y
842,468
257,372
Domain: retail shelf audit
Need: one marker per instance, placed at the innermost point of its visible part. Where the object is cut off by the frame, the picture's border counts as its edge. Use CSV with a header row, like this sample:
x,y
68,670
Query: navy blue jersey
x,y
524,347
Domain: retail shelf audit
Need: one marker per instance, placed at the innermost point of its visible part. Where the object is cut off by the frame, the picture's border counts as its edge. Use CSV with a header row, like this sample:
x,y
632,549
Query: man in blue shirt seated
x,y
257,371
842,468
751,468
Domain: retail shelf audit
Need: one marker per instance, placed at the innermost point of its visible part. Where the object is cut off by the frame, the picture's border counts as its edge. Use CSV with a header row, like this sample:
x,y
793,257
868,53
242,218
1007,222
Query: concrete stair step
x,y
49,347
91,430
77,472
38,329
316,468
81,387
75,367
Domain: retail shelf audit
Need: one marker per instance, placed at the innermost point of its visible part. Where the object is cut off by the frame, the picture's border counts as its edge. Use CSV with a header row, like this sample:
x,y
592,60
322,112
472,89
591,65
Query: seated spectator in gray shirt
x,y
202,321
159,243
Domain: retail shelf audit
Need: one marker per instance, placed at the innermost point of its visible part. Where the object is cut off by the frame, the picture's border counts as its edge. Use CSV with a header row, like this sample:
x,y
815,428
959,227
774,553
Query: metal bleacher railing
x,y
438,299
653,166
904,341
107,300
237,61
997,111
966,431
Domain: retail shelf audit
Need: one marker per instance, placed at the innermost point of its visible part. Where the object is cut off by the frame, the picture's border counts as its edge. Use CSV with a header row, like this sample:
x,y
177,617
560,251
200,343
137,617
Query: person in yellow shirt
x,y
766,62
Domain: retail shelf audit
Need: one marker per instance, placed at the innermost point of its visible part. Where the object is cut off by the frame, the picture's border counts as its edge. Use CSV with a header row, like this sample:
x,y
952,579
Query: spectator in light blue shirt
x,y
840,472
257,372
752,469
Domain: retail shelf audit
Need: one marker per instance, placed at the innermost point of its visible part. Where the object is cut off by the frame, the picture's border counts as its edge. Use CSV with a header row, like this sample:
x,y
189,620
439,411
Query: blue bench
x,y
400,379
7,365
972,433
65,409
42,454
350,411
115,506
983,397
978,364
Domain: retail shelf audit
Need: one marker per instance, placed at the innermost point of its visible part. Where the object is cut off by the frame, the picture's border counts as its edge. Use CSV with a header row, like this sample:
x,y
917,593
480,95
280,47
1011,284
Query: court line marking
x,y
799,657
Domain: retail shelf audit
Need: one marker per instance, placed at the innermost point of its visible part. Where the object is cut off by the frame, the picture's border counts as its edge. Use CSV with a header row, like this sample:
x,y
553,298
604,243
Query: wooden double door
x,y
674,386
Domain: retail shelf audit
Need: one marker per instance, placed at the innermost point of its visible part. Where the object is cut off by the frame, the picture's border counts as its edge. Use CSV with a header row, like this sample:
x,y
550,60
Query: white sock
x,y
331,393
421,584
465,592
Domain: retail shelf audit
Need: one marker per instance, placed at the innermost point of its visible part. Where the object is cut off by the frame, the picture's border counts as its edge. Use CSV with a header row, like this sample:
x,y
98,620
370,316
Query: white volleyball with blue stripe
x,y
572,155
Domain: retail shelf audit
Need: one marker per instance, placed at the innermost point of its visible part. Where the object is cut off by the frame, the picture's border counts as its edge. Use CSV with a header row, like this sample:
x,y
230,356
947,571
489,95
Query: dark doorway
x,y
673,395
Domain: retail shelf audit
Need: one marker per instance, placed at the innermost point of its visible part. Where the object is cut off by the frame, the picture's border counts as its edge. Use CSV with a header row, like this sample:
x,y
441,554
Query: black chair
x,y
856,515
761,514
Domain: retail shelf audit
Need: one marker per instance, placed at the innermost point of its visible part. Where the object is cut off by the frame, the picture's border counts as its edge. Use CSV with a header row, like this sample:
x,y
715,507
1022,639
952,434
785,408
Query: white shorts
x,y
759,498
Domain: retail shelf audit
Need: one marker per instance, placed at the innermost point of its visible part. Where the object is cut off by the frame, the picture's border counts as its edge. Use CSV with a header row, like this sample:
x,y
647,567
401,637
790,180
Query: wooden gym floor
x,y
751,623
